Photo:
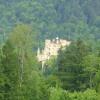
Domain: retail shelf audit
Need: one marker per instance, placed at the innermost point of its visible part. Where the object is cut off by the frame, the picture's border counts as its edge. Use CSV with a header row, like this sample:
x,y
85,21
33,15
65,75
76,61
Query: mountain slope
x,y
64,18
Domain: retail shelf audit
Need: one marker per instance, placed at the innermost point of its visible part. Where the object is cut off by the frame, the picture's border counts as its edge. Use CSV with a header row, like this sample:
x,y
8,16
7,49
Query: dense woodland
x,y
74,74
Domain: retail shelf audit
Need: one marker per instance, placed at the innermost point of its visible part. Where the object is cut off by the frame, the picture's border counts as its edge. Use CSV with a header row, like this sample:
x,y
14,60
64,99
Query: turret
x,y
57,40
38,52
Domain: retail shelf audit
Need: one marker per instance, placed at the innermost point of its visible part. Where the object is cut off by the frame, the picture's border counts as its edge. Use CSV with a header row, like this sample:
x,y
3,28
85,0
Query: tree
x,y
31,86
97,81
92,67
70,68
58,94
10,72
21,37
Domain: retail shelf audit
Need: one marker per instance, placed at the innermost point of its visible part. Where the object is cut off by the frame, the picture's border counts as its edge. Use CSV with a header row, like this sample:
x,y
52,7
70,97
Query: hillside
x,y
49,50
69,19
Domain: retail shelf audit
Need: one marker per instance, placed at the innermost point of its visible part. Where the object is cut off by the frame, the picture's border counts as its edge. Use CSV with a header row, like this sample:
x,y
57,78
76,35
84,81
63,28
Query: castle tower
x,y
38,52
57,40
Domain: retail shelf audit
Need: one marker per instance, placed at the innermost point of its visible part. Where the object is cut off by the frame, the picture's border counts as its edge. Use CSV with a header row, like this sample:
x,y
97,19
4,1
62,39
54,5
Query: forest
x,y
74,74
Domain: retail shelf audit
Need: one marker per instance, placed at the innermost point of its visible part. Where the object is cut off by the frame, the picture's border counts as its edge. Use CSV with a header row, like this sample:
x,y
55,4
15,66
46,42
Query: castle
x,y
51,49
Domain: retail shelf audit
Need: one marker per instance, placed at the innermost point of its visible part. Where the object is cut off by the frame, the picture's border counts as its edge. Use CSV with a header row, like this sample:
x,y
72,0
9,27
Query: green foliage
x,y
87,95
59,94
9,72
60,17
70,67
97,81
50,66
20,78
53,81
19,75
55,94
75,69
92,67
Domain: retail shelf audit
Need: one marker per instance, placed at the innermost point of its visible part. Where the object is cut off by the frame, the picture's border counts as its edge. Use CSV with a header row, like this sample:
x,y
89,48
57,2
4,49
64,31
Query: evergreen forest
x,y
74,74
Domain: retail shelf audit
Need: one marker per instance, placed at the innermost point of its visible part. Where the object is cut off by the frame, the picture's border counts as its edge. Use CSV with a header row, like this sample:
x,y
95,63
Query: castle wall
x,y
51,48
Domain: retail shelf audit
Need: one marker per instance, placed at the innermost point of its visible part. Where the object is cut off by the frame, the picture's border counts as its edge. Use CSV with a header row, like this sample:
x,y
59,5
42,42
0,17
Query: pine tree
x,y
70,67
